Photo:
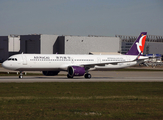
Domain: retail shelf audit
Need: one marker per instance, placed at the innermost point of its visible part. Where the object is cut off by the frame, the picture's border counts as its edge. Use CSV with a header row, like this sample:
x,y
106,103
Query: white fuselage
x,y
60,62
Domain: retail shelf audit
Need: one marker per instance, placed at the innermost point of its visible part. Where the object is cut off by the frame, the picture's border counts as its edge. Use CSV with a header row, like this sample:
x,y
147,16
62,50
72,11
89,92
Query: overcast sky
x,y
81,17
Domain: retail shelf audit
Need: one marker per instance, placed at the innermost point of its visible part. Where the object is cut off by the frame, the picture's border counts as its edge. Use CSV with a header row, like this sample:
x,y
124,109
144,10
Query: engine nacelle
x,y
50,73
76,71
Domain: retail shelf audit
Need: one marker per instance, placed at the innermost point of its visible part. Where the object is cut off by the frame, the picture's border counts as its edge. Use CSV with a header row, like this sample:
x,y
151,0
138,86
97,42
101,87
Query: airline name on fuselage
x,y
41,57
47,57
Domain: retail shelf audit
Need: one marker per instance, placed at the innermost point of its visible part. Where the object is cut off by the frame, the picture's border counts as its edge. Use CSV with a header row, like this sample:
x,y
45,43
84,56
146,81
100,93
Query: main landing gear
x,y
68,76
87,76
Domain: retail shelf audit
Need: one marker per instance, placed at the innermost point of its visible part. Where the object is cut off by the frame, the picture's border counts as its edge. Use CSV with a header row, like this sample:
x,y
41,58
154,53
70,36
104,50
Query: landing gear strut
x,y
21,75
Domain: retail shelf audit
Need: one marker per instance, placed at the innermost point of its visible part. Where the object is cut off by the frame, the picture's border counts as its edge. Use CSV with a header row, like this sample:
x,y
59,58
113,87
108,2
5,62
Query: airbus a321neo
x,y
76,65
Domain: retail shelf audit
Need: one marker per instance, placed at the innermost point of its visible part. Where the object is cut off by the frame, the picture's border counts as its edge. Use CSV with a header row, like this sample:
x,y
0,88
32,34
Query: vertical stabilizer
x,y
138,46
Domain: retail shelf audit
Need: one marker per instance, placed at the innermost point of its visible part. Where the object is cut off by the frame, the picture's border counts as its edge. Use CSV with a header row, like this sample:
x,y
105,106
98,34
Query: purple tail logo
x,y
141,44
138,46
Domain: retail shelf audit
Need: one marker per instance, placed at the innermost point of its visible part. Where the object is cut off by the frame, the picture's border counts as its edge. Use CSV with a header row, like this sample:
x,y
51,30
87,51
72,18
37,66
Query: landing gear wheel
x,y
68,76
20,76
87,76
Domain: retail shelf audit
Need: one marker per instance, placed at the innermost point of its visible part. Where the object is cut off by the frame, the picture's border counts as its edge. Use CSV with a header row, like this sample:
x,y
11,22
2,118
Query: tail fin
x,y
138,46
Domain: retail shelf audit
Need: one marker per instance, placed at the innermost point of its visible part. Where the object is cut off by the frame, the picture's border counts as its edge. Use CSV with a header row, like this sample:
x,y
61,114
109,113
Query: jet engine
x,y
50,73
76,71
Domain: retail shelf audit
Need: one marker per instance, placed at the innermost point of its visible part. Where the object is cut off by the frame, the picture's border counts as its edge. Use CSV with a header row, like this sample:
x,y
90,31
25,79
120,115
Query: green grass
x,y
80,101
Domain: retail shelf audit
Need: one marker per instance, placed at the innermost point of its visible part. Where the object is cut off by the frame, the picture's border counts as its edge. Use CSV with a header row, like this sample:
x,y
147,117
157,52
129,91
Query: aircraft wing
x,y
142,58
103,63
91,65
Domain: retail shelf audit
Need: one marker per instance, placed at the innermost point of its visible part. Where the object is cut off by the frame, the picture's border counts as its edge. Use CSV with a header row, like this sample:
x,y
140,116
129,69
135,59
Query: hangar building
x,y
9,45
54,44
38,44
88,44
153,45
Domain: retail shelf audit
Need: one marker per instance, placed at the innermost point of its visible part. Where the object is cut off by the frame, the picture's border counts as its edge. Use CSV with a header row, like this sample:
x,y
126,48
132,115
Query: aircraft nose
x,y
9,65
4,64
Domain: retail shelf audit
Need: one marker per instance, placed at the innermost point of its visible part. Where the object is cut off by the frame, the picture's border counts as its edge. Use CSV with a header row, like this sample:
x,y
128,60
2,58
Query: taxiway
x,y
97,76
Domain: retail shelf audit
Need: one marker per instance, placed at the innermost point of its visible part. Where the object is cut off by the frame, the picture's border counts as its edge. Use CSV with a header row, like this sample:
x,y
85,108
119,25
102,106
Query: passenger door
x,y
24,60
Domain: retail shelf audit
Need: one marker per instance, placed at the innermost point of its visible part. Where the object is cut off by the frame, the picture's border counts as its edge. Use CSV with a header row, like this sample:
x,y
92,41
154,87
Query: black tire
x,y
68,76
20,76
87,76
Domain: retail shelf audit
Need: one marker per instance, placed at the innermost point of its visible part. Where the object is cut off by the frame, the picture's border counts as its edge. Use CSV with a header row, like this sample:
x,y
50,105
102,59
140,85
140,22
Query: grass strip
x,y
97,101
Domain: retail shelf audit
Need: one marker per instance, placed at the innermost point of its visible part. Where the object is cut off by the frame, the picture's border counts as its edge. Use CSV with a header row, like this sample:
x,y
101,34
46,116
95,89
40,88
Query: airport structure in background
x,y
153,45
55,44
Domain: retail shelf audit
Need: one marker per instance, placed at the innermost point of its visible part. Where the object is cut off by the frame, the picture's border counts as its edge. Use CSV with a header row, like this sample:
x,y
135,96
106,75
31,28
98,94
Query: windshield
x,y
12,59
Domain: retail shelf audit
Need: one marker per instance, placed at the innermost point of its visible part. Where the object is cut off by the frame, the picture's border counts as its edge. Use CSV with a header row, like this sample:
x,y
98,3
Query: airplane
x,y
76,65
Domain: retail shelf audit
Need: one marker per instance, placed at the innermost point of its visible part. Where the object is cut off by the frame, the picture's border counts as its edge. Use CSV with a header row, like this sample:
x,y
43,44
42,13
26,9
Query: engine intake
x,y
76,71
50,73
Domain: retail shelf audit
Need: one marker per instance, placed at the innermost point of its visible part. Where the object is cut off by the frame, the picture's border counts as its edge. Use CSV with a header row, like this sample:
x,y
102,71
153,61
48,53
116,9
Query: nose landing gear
x,y
21,75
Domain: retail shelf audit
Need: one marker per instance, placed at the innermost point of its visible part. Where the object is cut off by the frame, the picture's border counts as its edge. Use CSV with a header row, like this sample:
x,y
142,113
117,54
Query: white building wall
x,y
47,43
13,43
84,44
154,48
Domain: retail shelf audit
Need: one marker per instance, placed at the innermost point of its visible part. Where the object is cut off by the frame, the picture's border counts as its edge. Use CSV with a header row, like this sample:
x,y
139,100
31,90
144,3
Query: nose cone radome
x,y
6,65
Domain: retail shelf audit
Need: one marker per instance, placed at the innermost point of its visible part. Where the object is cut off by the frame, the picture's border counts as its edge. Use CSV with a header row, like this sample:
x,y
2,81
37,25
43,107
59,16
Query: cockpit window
x,y
12,59
9,59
